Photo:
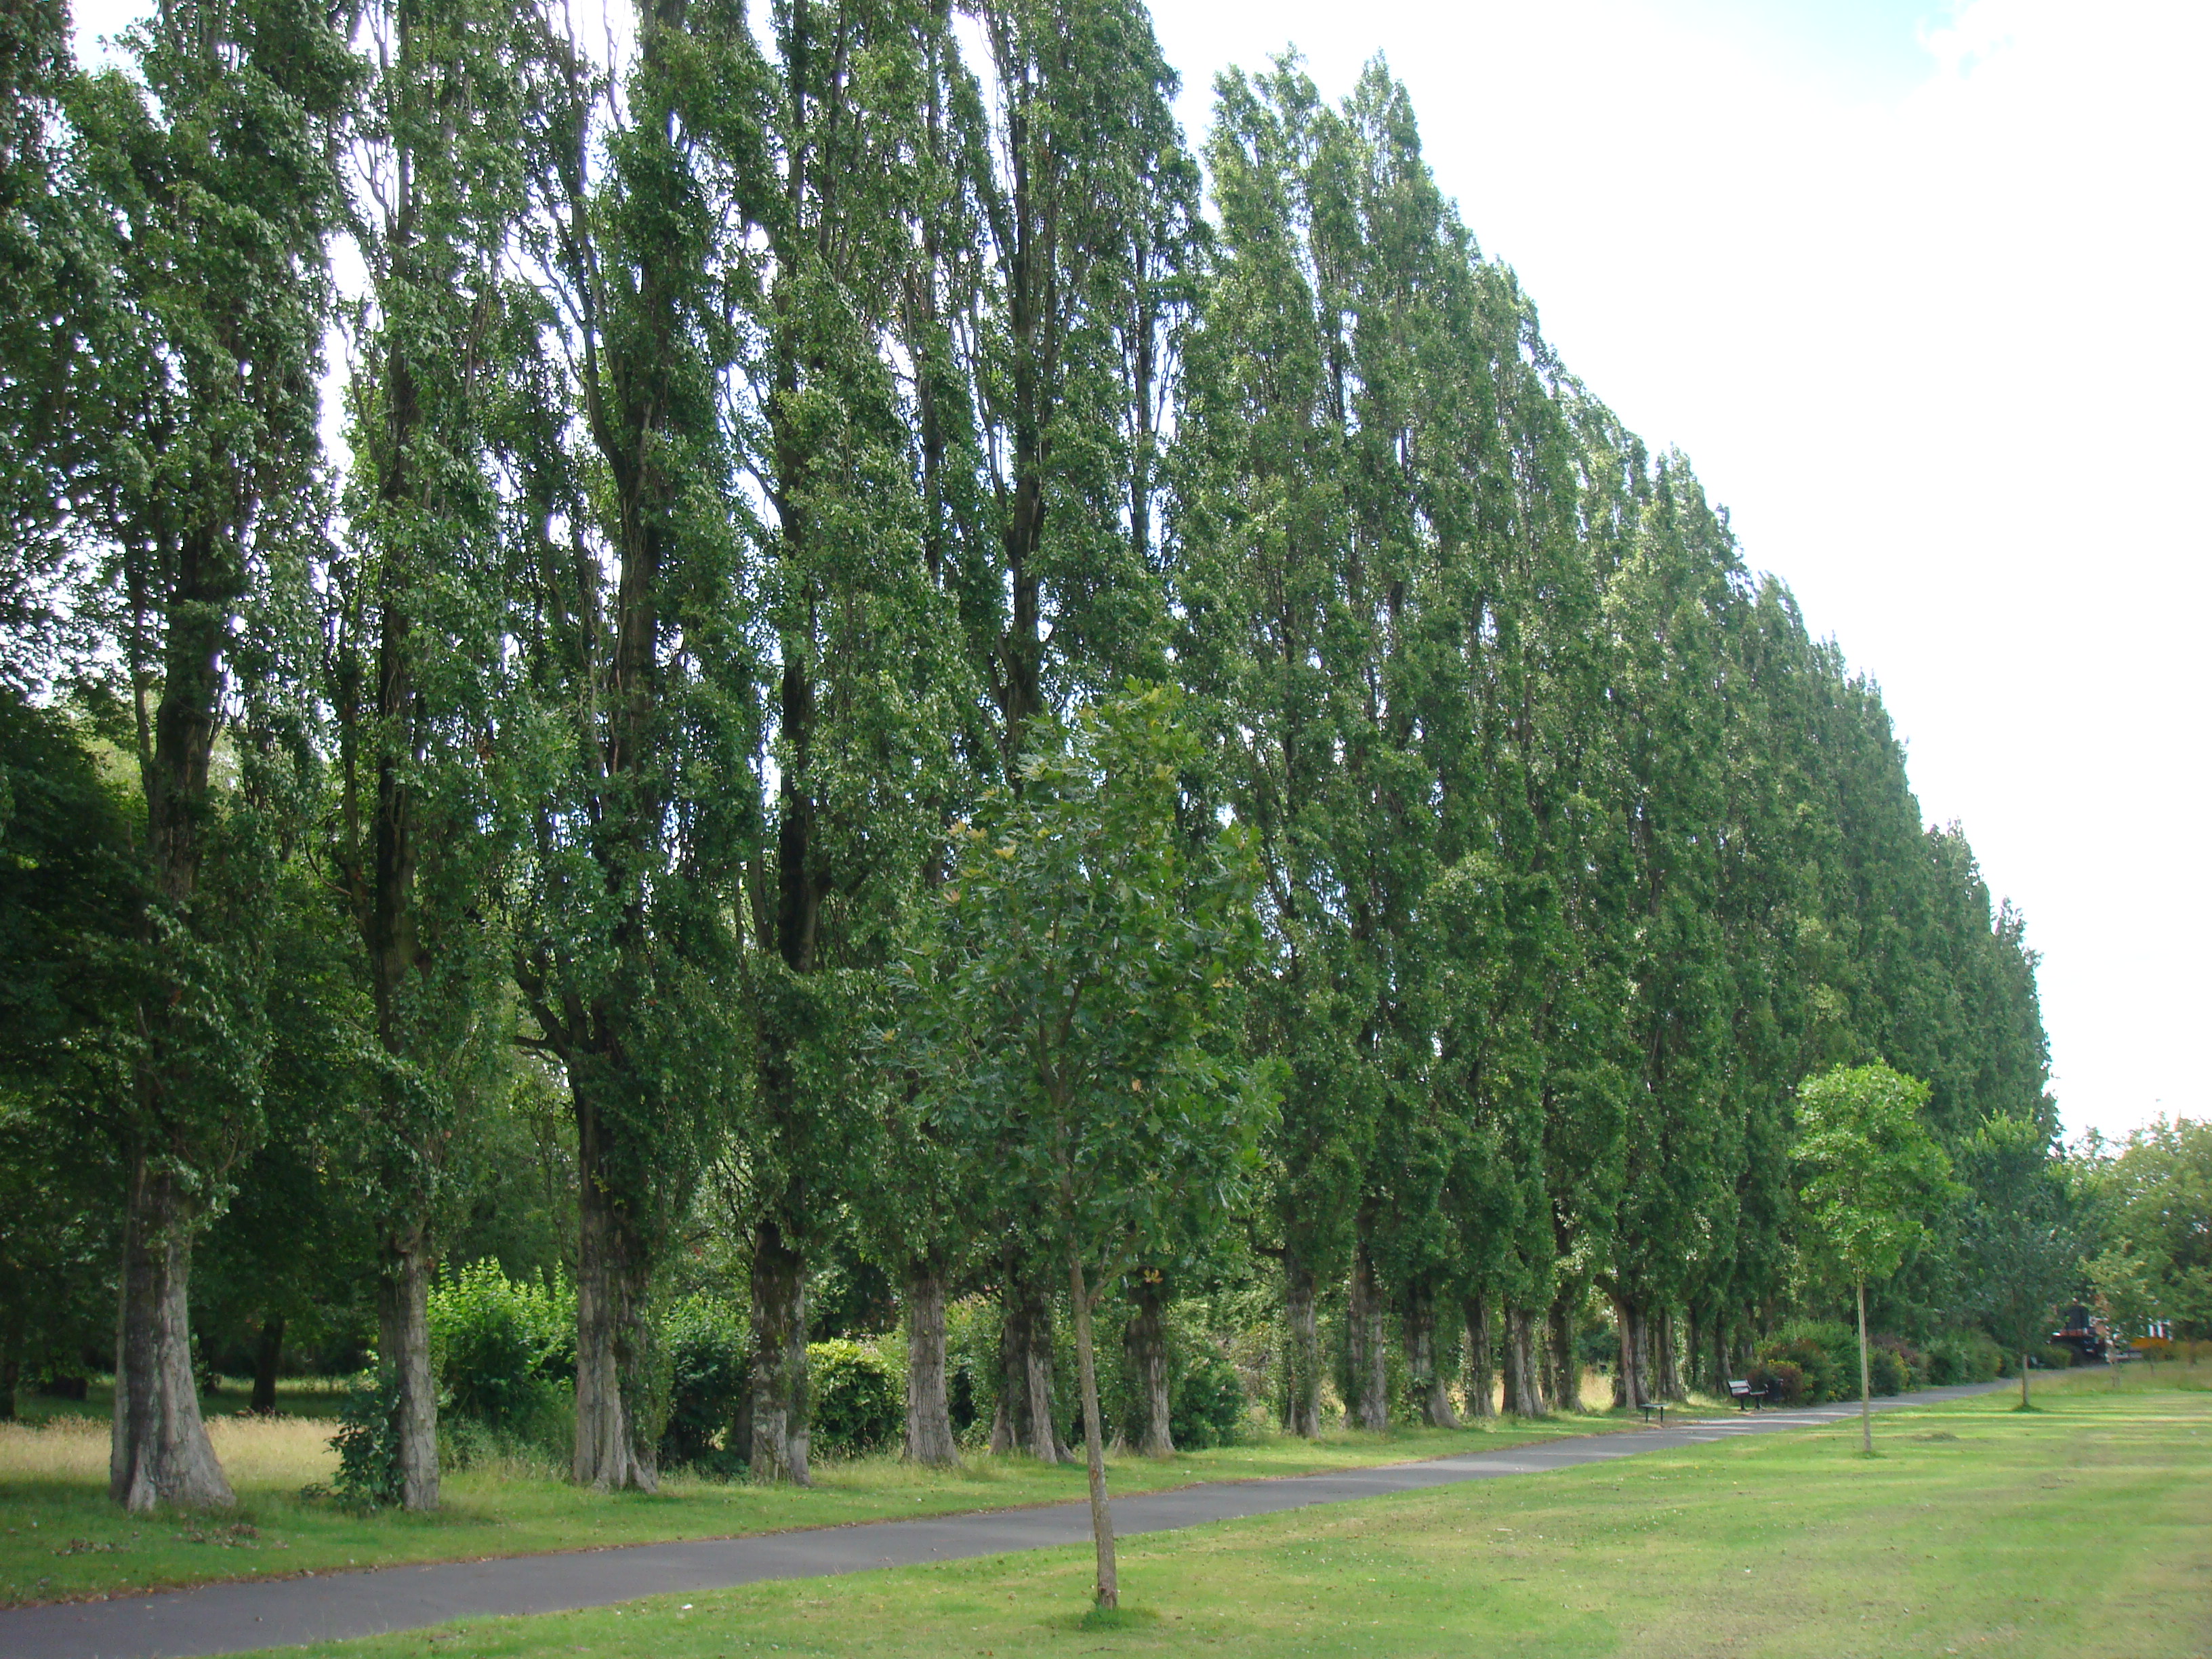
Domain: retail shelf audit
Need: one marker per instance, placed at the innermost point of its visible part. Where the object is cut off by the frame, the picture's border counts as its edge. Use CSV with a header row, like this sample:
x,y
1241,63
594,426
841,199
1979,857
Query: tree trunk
x,y
928,1410
612,1450
1477,1375
268,1358
160,1453
2023,1380
1566,1363
1866,1381
1094,1446
11,1377
1370,1375
1631,1388
1023,1421
1302,1349
402,1322
1667,1373
1421,1361
1524,1393
779,1437
1147,1341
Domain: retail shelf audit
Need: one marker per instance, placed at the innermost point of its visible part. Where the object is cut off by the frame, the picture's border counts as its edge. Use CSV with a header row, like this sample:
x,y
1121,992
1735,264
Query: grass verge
x,y
2081,1527
61,1539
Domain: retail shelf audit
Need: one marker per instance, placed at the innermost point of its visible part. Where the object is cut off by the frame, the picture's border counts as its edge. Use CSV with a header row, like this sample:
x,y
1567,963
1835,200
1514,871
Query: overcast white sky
x,y
1920,287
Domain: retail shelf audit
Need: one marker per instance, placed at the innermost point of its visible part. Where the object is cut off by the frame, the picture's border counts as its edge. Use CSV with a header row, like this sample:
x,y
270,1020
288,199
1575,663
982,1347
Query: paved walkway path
x,y
236,1617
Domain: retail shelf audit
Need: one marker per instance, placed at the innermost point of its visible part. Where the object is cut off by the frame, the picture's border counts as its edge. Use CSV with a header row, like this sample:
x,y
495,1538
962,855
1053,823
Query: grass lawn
x,y
2085,1527
61,1539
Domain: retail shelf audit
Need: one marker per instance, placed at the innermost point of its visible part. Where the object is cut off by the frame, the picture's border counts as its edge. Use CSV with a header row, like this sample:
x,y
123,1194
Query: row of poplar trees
x,y
572,522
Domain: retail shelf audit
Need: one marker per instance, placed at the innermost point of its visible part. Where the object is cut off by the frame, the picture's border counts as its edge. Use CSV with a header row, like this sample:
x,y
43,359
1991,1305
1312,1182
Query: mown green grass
x,y
2081,1527
61,1539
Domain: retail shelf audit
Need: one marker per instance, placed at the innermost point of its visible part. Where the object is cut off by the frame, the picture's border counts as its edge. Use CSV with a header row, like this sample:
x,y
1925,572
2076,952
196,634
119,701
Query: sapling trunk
x,y
1866,1381
1102,1514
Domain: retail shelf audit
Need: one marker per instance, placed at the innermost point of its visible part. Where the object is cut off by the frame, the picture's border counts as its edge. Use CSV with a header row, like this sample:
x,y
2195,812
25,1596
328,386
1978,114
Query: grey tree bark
x,y
1477,1377
1632,1383
1567,1391
1665,1368
1024,1419
1145,1340
929,1439
268,1362
1525,1389
1421,1361
779,1432
613,1451
1370,1384
403,1303
1302,1349
160,1453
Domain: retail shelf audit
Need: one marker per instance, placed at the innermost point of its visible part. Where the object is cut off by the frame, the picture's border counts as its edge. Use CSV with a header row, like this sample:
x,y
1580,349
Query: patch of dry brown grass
x,y
280,1453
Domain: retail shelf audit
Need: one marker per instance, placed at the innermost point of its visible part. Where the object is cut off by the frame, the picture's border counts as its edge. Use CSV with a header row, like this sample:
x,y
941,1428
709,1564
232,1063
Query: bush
x,y
1826,1351
1207,1406
1912,1363
1785,1382
857,1405
506,1358
367,1445
1886,1372
708,1375
1965,1357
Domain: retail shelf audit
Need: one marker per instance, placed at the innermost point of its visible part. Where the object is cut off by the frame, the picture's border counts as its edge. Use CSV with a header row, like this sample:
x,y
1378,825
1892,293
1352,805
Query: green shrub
x,y
1783,1382
1206,1404
856,1404
1964,1357
1913,1362
506,1358
1886,1372
704,1342
1826,1351
367,1443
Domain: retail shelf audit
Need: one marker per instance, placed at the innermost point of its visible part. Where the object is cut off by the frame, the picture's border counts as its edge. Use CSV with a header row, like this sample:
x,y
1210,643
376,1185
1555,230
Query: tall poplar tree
x,y
638,668
212,156
419,632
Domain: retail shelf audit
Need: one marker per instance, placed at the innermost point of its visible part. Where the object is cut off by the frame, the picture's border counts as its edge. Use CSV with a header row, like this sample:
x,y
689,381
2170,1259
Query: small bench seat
x,y
1744,1395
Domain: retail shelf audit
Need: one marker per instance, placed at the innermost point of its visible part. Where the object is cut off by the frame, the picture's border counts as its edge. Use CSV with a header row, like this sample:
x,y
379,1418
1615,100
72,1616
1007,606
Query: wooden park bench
x,y
1651,1405
1744,1395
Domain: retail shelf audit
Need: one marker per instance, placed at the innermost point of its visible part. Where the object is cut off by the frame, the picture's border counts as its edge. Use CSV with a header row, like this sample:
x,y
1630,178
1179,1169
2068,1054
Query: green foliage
x,y
2152,1195
1871,1176
1206,1404
856,1402
1826,1354
1887,1371
1074,1019
1783,1383
505,1351
709,1373
1964,1357
367,1443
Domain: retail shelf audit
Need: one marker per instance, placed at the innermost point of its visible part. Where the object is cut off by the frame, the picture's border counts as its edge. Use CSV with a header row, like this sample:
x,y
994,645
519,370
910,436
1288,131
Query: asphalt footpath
x,y
240,1617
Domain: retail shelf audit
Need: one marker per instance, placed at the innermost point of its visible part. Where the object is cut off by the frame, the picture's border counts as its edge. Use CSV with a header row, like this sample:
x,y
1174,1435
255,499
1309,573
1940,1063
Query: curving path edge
x,y
239,1617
